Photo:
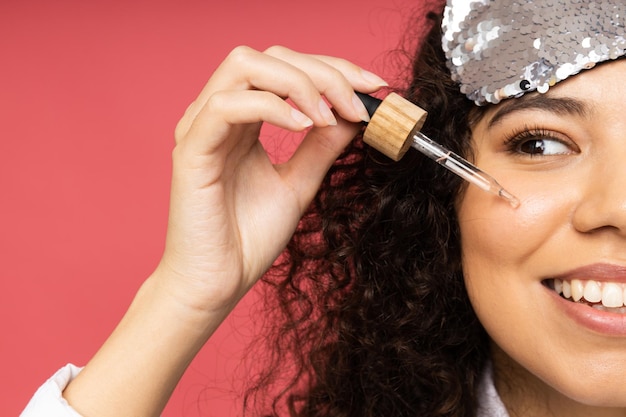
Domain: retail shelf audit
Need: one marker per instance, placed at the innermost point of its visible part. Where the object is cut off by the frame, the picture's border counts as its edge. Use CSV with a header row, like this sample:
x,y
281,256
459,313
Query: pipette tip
x,y
513,201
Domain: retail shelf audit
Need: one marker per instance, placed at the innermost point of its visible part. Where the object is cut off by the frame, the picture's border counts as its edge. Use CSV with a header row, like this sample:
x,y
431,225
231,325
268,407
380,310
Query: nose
x,y
602,205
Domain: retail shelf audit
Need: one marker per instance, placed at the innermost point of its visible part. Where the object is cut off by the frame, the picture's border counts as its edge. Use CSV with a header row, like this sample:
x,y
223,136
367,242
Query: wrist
x,y
187,303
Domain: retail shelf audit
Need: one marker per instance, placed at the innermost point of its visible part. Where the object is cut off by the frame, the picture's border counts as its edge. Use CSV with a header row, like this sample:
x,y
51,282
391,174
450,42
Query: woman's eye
x,y
540,143
543,147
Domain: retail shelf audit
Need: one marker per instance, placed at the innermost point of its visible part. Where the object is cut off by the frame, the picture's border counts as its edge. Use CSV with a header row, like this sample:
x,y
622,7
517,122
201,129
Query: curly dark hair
x,y
372,311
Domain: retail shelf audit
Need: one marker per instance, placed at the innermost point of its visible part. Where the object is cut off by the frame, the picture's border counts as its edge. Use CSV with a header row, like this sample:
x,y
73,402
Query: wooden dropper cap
x,y
393,122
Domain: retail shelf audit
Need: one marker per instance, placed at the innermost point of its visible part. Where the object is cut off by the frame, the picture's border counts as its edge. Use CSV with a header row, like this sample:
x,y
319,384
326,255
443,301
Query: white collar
x,y
489,402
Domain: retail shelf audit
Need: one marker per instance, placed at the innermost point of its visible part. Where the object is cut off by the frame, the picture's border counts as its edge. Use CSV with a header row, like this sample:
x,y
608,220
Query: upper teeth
x,y
610,294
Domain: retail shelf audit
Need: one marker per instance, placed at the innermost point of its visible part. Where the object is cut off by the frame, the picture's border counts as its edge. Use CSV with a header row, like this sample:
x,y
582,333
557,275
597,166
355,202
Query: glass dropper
x,y
462,167
394,127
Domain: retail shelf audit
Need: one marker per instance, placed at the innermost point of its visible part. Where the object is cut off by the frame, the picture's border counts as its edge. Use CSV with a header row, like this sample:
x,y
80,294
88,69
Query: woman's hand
x,y
231,214
232,211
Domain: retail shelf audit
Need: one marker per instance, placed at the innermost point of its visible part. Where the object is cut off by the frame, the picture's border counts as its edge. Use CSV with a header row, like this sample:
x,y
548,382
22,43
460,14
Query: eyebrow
x,y
561,106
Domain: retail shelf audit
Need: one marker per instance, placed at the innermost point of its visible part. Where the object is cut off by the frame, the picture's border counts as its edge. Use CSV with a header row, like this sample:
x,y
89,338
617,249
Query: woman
x,y
420,295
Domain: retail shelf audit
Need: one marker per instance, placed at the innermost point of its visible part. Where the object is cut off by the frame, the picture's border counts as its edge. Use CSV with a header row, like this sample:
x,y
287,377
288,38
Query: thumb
x,y
315,155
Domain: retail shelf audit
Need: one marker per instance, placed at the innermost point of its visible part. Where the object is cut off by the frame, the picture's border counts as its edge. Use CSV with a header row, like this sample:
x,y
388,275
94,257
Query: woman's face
x,y
563,154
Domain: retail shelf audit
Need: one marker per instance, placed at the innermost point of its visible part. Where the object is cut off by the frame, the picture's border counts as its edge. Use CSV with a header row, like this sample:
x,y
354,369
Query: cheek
x,y
493,232
504,249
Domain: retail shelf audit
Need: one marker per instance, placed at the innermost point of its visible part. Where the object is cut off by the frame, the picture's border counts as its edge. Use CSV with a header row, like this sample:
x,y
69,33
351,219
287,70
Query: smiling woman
x,y
560,282
398,290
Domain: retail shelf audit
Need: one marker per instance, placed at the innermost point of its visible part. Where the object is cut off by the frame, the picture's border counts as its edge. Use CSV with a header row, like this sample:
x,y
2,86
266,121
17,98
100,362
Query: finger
x,y
315,155
297,76
224,110
359,78
335,78
245,69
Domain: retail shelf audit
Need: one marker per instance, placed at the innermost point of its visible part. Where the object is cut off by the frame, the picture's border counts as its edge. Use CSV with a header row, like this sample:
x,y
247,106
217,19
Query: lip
x,y
597,272
602,322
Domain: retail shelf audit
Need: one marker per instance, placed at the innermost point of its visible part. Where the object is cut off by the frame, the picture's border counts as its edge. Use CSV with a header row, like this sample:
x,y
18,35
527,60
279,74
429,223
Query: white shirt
x,y
489,403
48,401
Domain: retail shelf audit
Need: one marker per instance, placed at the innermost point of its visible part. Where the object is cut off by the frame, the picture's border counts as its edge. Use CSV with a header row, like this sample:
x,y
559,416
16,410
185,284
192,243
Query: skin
x,y
572,214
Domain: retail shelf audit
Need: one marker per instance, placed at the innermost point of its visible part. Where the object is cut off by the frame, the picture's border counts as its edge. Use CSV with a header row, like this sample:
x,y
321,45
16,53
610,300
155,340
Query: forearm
x,y
136,370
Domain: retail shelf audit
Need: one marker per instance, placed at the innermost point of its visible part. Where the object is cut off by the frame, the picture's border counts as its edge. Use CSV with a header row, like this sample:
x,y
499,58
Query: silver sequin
x,y
497,49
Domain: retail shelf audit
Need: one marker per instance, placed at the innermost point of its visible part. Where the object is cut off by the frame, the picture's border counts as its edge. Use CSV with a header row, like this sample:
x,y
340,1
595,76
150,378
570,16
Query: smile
x,y
604,296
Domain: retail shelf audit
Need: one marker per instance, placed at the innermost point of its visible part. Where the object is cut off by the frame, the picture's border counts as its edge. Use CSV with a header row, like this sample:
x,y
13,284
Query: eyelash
x,y
516,139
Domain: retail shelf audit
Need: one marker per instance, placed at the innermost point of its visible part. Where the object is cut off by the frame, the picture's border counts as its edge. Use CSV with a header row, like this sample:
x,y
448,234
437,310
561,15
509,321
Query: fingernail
x,y
327,114
360,108
373,79
301,118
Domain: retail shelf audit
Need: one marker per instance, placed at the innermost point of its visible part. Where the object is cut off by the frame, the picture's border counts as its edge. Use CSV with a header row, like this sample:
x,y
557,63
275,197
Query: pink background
x,y
90,93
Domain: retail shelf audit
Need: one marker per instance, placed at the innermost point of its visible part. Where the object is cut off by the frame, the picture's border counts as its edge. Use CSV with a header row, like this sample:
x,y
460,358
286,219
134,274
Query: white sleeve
x,y
48,401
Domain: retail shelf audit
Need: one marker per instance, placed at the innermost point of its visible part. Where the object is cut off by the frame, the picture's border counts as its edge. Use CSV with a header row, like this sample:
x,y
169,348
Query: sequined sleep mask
x,y
497,49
